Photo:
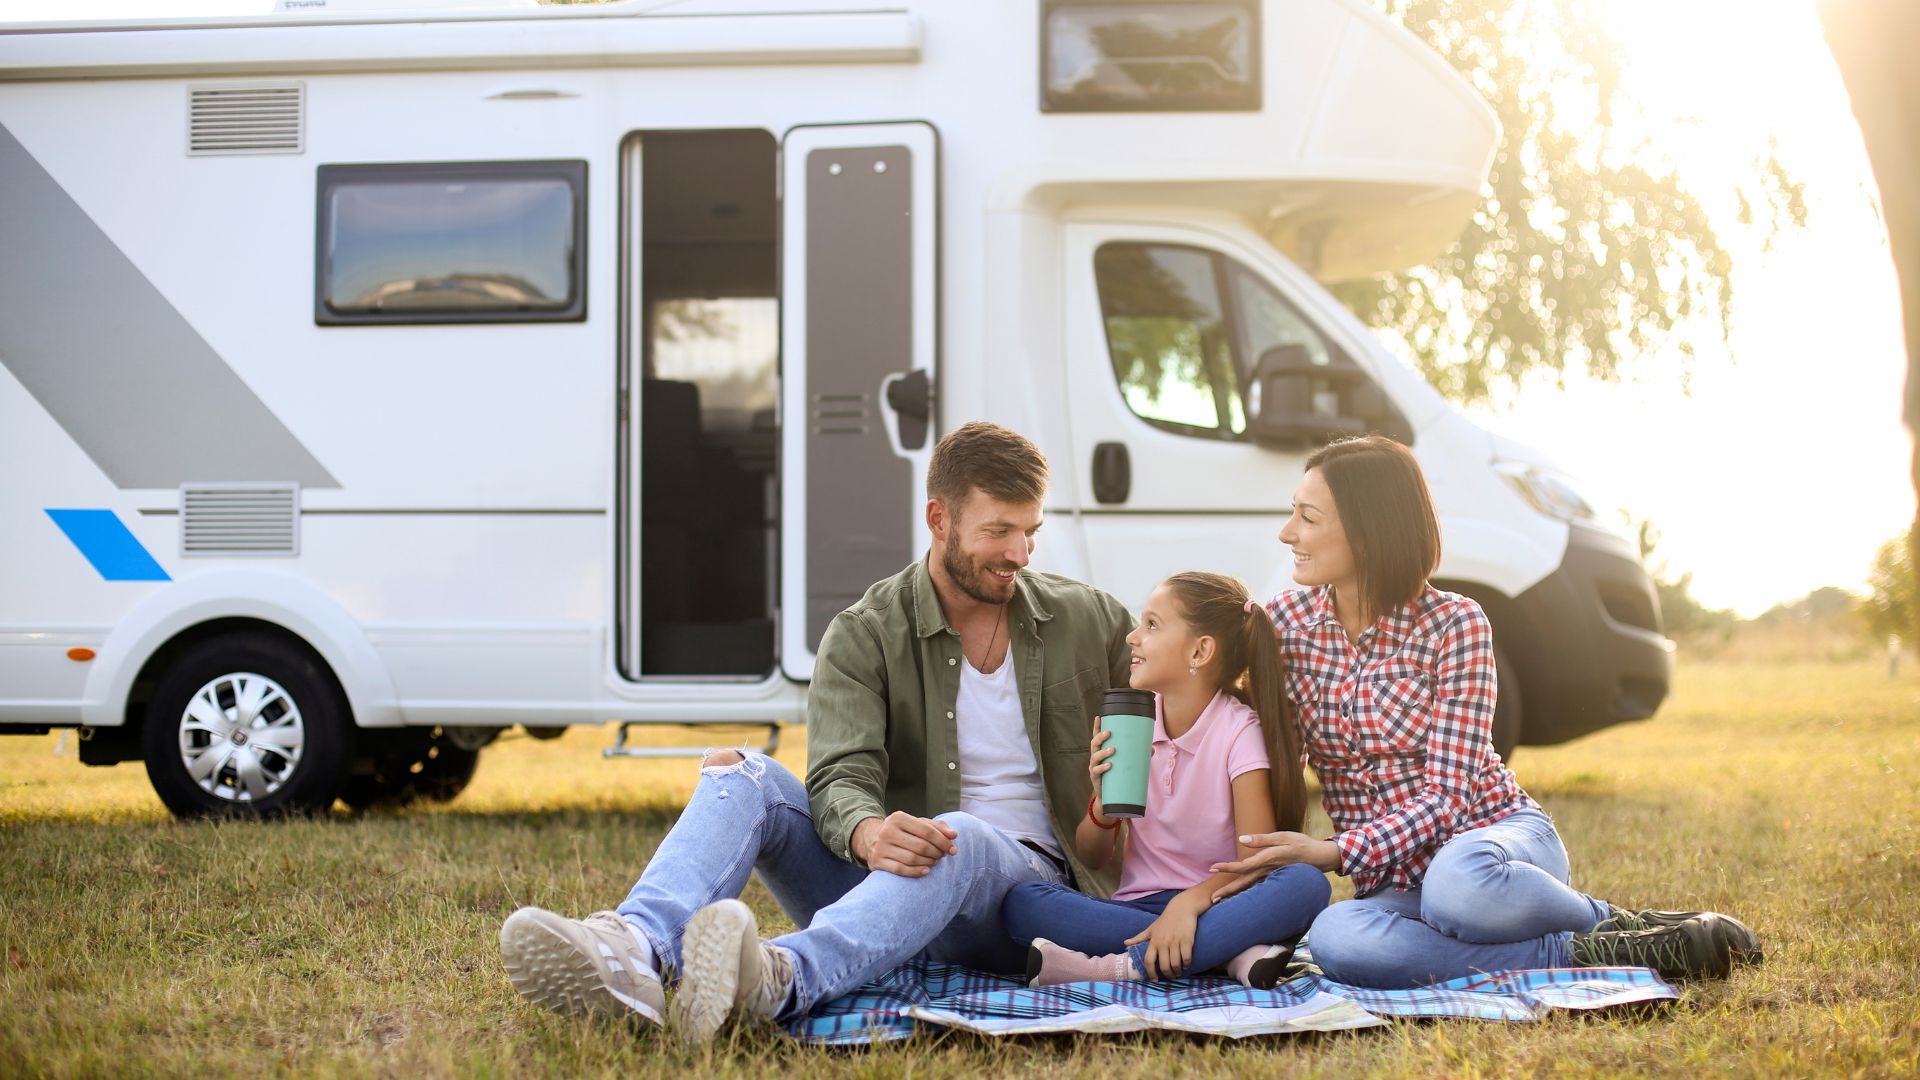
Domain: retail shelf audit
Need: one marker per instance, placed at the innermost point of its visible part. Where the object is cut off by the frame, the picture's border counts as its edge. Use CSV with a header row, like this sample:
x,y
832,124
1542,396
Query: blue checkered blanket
x,y
943,996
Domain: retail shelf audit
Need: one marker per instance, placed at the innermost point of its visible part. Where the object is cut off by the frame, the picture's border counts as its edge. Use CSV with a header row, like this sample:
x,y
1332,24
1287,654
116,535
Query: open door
x,y
858,341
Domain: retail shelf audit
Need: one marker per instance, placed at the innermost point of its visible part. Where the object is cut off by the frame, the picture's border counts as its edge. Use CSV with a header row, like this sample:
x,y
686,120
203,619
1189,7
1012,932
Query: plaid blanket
x,y
941,995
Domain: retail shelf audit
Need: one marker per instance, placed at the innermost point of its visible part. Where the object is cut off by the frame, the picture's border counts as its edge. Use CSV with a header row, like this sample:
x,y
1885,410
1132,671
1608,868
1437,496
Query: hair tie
x,y
1251,605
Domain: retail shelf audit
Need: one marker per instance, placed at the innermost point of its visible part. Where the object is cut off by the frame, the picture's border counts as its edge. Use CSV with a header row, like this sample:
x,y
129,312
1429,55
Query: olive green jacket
x,y
880,729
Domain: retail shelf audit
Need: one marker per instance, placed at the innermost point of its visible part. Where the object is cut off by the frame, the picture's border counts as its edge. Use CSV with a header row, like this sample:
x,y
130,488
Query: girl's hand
x,y
1169,940
1097,763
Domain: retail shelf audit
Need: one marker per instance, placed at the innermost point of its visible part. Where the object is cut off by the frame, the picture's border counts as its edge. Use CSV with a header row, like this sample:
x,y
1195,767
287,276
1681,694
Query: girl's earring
x,y
1193,669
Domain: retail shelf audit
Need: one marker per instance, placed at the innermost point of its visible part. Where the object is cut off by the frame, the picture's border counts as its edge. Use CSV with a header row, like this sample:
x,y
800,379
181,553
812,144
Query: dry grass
x,y
1785,793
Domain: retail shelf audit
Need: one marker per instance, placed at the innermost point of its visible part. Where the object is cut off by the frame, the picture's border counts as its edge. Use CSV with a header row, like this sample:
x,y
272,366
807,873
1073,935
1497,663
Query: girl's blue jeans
x,y
1276,909
1496,898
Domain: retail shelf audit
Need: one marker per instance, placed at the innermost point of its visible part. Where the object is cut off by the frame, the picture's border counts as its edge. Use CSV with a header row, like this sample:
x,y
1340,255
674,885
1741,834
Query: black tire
x,y
289,757
408,765
1507,706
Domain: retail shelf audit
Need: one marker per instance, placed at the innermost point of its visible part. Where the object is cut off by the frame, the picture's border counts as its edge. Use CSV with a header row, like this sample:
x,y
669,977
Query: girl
x,y
1455,868
1225,763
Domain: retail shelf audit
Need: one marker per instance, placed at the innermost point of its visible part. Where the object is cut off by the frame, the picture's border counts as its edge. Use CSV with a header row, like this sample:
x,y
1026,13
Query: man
x,y
948,724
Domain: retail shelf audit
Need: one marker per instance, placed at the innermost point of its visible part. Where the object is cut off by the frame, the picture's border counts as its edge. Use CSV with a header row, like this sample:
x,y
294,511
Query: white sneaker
x,y
726,970
589,966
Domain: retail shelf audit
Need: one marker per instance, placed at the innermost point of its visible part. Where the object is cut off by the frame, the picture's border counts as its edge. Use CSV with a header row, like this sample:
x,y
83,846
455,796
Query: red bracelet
x,y
1095,818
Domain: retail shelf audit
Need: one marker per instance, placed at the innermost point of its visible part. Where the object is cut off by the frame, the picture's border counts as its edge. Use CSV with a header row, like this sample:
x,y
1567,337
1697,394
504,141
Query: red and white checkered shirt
x,y
1399,728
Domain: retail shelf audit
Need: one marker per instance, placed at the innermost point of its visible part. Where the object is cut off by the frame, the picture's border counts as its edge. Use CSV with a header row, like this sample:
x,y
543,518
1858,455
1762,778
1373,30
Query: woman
x,y
1455,869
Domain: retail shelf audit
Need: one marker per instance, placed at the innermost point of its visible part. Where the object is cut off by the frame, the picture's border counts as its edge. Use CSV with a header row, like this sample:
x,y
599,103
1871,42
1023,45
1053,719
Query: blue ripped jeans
x,y
1497,898
1278,908
856,923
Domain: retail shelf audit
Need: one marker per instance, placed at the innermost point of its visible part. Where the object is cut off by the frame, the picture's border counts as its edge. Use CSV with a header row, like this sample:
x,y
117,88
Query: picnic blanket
x,y
944,996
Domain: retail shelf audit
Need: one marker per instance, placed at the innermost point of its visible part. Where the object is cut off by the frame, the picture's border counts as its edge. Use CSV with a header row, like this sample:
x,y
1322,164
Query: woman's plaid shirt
x,y
1399,728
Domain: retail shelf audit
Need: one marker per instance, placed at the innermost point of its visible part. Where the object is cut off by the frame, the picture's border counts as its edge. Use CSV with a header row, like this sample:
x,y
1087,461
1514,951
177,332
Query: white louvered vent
x,y
240,519
265,118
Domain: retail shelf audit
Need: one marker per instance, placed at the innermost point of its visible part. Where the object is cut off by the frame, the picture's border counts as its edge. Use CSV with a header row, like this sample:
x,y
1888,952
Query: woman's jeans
x,y
1276,909
1496,898
855,923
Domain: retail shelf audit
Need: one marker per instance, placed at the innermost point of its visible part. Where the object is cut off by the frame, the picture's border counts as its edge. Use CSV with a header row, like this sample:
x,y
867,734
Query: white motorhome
x,y
373,381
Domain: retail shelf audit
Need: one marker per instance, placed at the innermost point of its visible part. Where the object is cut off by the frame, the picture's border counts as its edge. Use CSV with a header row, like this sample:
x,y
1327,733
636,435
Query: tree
x,y
1590,249
1893,605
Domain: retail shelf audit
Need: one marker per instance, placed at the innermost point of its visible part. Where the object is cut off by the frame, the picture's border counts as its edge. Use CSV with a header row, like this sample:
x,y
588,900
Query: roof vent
x,y
240,519
263,118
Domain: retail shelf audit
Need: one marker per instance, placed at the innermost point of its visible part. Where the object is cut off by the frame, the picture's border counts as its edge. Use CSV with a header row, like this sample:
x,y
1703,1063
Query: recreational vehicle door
x,y
858,342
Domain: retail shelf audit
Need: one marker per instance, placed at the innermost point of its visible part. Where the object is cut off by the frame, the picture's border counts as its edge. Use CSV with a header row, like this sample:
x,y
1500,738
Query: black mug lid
x,y
1126,701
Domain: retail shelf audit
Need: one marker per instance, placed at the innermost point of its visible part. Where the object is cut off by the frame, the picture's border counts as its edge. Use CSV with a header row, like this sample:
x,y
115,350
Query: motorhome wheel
x,y
409,765
244,724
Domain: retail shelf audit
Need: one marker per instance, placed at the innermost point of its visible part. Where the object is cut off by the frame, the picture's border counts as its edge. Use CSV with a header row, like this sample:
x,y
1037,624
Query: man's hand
x,y
903,844
1170,938
1276,849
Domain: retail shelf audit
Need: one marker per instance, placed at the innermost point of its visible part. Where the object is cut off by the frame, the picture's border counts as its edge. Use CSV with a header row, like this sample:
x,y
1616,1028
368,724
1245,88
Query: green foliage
x,y
1893,605
1590,249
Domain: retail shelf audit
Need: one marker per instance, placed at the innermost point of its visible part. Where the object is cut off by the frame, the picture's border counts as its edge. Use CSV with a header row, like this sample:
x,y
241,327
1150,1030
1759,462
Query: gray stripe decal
x,y
113,362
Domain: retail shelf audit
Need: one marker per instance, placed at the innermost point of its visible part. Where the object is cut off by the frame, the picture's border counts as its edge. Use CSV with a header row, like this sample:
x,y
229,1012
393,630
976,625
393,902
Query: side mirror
x,y
1293,402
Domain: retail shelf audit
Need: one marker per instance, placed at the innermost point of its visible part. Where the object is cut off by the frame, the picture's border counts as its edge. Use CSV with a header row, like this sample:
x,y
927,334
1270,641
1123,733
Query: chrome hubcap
x,y
241,737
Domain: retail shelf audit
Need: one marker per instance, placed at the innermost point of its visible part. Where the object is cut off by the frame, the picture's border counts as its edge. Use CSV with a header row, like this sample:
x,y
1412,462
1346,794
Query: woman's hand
x,y
1170,938
1275,849
1097,763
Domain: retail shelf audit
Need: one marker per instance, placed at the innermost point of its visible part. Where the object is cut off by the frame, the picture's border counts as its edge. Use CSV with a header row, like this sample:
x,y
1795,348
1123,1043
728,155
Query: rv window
x,y
1136,56
1168,337
466,242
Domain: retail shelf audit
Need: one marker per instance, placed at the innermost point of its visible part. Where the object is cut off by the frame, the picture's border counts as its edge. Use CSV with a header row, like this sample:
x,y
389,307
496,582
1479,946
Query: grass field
x,y
1788,794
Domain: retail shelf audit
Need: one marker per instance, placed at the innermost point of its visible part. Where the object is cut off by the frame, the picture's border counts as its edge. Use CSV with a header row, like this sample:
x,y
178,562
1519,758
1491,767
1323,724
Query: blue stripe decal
x,y
108,545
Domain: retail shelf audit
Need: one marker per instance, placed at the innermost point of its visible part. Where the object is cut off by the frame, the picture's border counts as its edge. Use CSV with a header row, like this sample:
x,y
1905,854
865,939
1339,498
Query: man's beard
x,y
971,579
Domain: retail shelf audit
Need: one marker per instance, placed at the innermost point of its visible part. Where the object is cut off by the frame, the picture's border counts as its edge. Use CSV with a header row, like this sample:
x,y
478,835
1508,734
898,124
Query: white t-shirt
x,y
999,776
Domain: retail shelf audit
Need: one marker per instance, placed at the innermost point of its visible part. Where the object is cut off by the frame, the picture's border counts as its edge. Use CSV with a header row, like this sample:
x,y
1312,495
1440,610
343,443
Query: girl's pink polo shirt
x,y
1189,822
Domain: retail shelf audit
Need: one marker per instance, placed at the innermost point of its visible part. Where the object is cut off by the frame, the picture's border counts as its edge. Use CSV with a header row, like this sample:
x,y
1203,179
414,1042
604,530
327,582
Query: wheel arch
x,y
191,610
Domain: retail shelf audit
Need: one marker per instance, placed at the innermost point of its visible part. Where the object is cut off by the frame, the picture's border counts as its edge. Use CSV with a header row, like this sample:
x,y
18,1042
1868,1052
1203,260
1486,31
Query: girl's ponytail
x,y
1266,693
1218,607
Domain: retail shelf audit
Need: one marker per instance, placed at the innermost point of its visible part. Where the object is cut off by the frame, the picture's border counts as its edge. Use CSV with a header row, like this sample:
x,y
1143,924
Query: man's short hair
x,y
1000,462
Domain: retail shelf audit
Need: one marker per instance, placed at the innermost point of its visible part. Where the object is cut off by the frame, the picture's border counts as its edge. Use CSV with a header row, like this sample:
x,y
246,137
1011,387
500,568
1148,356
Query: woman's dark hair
x,y
1382,498
1250,668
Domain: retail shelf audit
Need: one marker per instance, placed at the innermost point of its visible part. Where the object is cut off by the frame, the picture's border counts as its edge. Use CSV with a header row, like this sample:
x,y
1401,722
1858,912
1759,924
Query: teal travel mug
x,y
1128,714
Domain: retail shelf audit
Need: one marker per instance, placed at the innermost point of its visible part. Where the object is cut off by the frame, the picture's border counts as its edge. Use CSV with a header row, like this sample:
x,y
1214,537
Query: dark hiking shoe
x,y
1746,944
1696,948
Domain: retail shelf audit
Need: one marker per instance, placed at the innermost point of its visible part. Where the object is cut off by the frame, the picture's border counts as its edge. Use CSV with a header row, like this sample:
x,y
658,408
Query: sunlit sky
x,y
1786,465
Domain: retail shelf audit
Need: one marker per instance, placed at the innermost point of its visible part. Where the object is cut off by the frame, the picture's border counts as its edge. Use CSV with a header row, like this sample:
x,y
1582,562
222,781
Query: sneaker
x,y
1700,947
589,966
1261,967
1746,944
726,970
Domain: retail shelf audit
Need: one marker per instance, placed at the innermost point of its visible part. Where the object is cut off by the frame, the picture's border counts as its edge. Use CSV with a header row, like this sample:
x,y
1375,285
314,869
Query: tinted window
x,y
1169,339
498,242
1133,57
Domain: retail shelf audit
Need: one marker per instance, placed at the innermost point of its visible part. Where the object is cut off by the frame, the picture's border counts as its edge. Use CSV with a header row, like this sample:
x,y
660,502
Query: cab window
x,y
1170,338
